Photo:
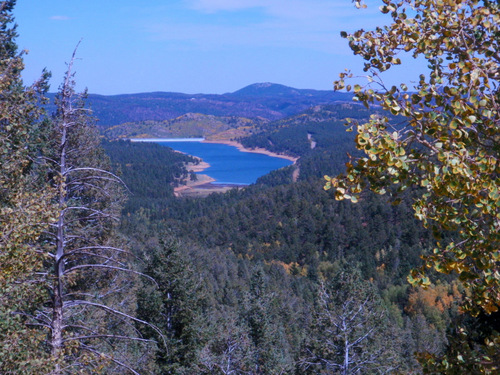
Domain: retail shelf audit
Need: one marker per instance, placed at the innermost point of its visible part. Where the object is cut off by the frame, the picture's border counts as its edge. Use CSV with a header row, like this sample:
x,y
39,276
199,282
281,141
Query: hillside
x,y
188,125
252,132
269,101
283,235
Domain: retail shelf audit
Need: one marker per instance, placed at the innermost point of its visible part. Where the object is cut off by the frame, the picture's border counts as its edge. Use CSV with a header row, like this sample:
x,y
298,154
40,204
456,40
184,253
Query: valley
x,y
283,233
284,227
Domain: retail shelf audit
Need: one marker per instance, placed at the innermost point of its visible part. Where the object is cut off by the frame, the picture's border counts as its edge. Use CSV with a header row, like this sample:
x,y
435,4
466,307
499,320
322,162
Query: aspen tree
x,y
447,142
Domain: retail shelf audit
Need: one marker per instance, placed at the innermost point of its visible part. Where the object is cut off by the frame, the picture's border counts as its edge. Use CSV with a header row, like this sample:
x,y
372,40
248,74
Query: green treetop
x,y
25,210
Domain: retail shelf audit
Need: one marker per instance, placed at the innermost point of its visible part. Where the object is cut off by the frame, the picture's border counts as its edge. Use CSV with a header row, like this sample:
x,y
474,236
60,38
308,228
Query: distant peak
x,y
266,89
264,84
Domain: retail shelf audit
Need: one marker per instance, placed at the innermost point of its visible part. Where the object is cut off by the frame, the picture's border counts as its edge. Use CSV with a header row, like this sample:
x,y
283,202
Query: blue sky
x,y
192,46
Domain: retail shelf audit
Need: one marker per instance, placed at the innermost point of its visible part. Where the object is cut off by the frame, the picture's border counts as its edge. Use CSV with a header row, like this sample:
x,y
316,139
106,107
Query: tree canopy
x,y
447,138
24,210
444,142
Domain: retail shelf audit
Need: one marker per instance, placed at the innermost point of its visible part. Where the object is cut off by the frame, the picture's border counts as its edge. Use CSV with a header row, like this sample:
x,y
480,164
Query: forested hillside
x,y
151,172
295,237
266,100
189,125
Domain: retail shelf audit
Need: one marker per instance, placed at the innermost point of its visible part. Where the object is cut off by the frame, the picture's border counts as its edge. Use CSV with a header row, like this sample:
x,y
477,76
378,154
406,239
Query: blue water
x,y
228,165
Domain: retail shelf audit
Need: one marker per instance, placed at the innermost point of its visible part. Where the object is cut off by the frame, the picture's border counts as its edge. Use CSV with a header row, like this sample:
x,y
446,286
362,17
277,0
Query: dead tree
x,y
90,314
350,333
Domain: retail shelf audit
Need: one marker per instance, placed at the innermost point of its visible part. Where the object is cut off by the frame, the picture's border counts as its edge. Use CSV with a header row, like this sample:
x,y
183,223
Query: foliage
x,y
189,125
230,350
350,332
298,135
449,144
84,313
297,235
149,170
175,302
24,210
216,314
205,304
261,312
464,355
303,225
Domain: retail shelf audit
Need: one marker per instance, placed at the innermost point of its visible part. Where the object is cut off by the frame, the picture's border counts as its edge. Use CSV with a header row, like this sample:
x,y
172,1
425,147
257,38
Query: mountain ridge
x,y
267,100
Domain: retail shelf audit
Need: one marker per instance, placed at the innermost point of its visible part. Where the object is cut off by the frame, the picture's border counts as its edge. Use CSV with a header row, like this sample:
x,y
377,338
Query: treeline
x,y
320,126
301,223
150,171
260,273
221,310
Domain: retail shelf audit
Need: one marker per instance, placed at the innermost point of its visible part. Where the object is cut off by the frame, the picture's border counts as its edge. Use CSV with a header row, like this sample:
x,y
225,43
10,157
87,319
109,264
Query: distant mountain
x,y
274,90
266,100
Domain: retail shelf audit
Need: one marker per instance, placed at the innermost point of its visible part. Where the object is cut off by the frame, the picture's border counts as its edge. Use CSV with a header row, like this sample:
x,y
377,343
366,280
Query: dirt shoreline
x,y
191,186
256,150
204,186
200,167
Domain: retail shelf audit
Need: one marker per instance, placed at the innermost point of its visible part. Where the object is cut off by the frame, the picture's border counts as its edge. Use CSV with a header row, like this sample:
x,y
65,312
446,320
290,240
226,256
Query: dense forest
x,y
293,237
258,101
103,270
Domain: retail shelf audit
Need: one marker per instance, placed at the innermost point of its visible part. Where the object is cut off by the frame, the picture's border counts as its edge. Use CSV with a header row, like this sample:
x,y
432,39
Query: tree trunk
x,y
57,327
57,299
345,369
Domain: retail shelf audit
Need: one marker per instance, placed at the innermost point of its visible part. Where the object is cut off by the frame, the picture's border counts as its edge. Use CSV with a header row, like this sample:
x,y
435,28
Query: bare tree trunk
x,y
346,360
345,367
57,328
57,299
82,244
349,316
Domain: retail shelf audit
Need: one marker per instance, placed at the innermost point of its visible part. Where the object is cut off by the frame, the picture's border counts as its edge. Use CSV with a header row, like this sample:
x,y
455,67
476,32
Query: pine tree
x,y
175,302
350,333
230,349
25,210
261,312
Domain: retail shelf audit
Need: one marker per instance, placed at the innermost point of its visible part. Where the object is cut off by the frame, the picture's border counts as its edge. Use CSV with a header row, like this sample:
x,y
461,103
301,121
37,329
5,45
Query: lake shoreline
x,y
256,150
205,185
196,167
192,186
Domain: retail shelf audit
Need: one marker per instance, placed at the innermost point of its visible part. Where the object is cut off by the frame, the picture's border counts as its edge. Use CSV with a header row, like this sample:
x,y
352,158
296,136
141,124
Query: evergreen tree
x,y
230,349
25,210
350,332
174,303
261,312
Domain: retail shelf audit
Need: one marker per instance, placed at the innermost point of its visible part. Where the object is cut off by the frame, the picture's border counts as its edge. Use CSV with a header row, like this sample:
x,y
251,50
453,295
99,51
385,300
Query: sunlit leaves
x,y
448,135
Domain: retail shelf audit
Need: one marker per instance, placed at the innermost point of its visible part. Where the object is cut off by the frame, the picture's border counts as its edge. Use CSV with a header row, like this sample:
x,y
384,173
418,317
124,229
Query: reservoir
x,y
228,165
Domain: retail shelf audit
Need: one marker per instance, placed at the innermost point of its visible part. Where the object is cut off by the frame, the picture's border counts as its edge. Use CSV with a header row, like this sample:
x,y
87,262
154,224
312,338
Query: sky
x,y
192,46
